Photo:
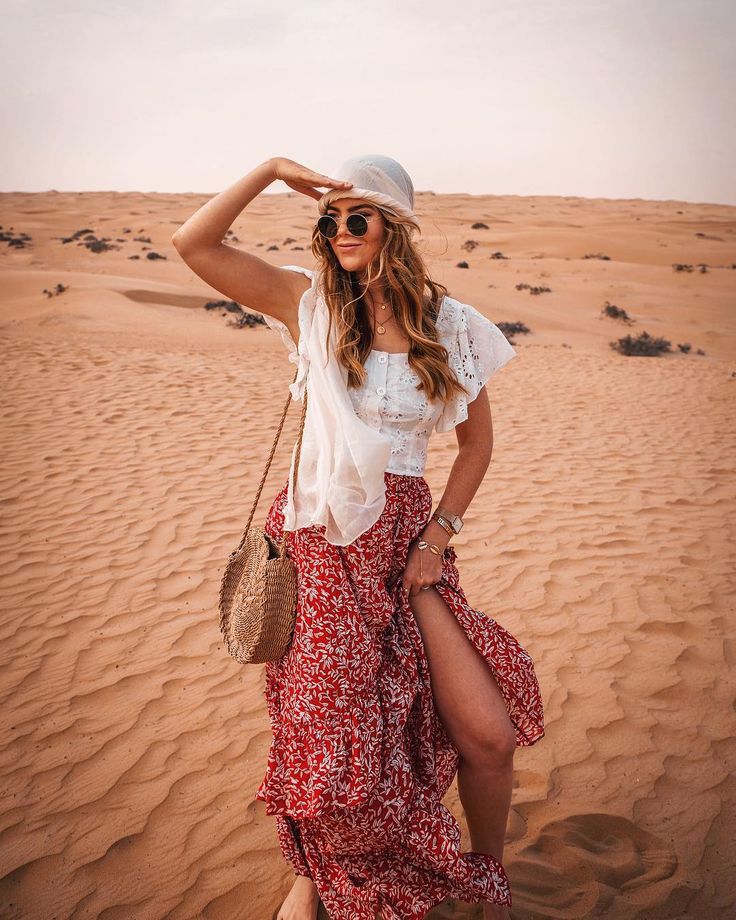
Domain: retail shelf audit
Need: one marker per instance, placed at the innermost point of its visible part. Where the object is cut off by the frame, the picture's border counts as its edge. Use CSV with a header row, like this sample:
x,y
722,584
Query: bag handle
x,y
270,458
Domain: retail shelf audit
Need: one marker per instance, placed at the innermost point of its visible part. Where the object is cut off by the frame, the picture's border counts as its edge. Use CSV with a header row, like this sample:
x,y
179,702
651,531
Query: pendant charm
x,y
380,329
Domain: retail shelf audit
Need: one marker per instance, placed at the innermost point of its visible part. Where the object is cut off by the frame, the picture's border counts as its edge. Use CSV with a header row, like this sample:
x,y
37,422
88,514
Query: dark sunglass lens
x,y
357,224
327,226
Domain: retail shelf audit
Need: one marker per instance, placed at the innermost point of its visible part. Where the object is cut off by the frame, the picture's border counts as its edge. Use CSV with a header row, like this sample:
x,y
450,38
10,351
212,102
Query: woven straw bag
x,y
258,593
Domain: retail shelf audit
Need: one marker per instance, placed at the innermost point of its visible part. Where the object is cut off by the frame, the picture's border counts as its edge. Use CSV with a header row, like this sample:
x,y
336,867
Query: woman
x,y
392,682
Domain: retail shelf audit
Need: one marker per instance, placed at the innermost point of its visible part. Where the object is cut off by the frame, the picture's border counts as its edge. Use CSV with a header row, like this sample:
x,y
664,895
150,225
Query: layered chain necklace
x,y
381,324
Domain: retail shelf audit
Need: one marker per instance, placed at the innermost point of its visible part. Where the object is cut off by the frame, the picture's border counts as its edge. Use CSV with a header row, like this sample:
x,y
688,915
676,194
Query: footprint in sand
x,y
581,865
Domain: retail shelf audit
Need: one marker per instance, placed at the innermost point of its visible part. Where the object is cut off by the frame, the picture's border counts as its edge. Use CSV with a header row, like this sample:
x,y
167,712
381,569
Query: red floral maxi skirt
x,y
359,760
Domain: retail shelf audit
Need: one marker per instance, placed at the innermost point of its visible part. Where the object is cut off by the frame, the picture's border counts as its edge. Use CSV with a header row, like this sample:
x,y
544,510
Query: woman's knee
x,y
489,745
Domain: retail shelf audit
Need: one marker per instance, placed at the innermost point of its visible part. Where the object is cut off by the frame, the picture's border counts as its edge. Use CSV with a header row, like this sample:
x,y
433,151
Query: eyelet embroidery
x,y
389,400
476,350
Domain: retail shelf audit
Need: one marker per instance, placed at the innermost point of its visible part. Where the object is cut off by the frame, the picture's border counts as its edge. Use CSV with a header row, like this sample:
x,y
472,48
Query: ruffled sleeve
x,y
476,350
297,355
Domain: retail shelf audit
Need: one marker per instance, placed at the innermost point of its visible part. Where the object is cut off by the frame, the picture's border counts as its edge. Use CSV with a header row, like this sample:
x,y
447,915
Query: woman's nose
x,y
342,231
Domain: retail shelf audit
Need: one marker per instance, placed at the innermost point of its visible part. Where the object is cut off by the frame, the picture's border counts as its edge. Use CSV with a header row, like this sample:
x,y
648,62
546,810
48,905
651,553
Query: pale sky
x,y
624,99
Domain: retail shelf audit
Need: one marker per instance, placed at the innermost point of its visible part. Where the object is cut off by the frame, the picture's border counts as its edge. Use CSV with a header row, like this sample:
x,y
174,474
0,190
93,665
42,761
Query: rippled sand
x,y
135,430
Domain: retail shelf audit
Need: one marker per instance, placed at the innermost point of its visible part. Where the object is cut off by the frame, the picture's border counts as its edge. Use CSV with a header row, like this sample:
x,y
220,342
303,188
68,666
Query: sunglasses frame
x,y
337,221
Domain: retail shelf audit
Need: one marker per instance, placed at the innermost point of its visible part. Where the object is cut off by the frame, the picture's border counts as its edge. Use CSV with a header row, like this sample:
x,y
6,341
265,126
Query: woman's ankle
x,y
304,885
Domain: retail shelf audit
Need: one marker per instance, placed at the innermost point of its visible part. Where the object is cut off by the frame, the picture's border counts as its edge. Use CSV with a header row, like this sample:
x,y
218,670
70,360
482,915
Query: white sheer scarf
x,y
340,481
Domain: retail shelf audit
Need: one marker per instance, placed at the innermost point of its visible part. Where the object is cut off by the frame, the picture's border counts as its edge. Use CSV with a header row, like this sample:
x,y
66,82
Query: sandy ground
x,y
135,430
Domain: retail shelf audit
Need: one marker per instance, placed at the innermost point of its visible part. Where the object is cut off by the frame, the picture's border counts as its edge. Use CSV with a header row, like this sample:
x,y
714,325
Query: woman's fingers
x,y
319,180
413,588
303,186
335,183
412,582
305,180
322,181
305,189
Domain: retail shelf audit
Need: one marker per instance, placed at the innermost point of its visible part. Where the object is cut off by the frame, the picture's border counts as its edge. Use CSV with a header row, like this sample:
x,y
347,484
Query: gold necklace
x,y
380,327
380,324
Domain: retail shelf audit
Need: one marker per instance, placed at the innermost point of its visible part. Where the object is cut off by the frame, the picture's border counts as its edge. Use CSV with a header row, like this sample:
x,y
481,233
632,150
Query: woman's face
x,y
356,252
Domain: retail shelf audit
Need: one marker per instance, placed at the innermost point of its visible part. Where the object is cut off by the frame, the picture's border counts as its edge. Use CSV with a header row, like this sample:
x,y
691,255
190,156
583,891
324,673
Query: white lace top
x,y
388,400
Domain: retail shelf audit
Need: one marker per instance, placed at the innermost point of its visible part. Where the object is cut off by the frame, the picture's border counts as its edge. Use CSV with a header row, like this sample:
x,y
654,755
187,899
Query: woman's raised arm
x,y
241,276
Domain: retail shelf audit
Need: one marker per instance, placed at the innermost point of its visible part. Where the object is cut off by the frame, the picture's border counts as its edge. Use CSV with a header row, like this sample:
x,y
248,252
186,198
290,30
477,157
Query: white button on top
x,y
380,390
382,359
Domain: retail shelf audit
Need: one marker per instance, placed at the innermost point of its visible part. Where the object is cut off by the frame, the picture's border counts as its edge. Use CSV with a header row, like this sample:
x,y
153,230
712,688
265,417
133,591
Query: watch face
x,y
453,520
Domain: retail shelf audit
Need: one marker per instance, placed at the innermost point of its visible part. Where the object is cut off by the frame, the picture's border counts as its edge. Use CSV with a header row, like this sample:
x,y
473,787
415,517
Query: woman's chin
x,y
352,262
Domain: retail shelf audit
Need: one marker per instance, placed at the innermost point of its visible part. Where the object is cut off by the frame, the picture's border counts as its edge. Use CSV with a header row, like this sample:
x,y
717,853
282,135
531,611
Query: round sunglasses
x,y
357,225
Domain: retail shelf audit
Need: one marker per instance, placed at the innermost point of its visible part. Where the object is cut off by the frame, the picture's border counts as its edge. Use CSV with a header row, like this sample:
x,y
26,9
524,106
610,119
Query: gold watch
x,y
452,523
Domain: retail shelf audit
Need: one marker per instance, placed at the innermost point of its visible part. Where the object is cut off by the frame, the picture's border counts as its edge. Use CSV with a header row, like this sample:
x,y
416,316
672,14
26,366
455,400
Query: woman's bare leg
x,y
485,793
475,716
301,902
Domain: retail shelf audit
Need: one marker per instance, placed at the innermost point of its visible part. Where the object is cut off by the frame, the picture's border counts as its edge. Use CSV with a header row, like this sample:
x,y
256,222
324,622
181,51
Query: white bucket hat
x,y
379,179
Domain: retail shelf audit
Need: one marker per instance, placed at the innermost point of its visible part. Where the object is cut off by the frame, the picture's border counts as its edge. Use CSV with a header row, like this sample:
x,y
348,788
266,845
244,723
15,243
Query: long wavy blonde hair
x,y
405,277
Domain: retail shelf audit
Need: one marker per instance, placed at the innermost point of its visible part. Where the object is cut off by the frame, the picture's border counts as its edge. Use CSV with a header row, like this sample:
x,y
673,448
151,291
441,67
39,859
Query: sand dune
x,y
135,429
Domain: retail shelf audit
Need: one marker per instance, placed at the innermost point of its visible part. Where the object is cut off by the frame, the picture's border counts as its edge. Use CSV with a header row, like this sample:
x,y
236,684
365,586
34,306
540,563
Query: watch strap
x,y
444,523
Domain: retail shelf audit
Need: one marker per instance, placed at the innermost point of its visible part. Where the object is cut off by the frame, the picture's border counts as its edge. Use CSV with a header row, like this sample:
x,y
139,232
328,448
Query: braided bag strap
x,y
270,458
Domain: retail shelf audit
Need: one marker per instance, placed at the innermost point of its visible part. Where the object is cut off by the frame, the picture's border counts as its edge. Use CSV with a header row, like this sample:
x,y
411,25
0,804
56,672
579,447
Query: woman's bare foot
x,y
496,912
301,902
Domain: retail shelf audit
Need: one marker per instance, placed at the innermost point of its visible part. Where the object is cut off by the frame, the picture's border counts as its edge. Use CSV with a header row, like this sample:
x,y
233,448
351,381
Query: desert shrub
x,y
644,345
610,309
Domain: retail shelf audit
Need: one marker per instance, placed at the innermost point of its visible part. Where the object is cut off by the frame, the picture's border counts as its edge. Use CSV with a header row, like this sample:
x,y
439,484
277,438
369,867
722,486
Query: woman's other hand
x,y
431,566
304,180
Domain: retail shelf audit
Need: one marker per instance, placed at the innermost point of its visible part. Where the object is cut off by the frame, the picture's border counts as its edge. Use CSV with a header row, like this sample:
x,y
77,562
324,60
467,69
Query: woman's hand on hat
x,y
304,180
